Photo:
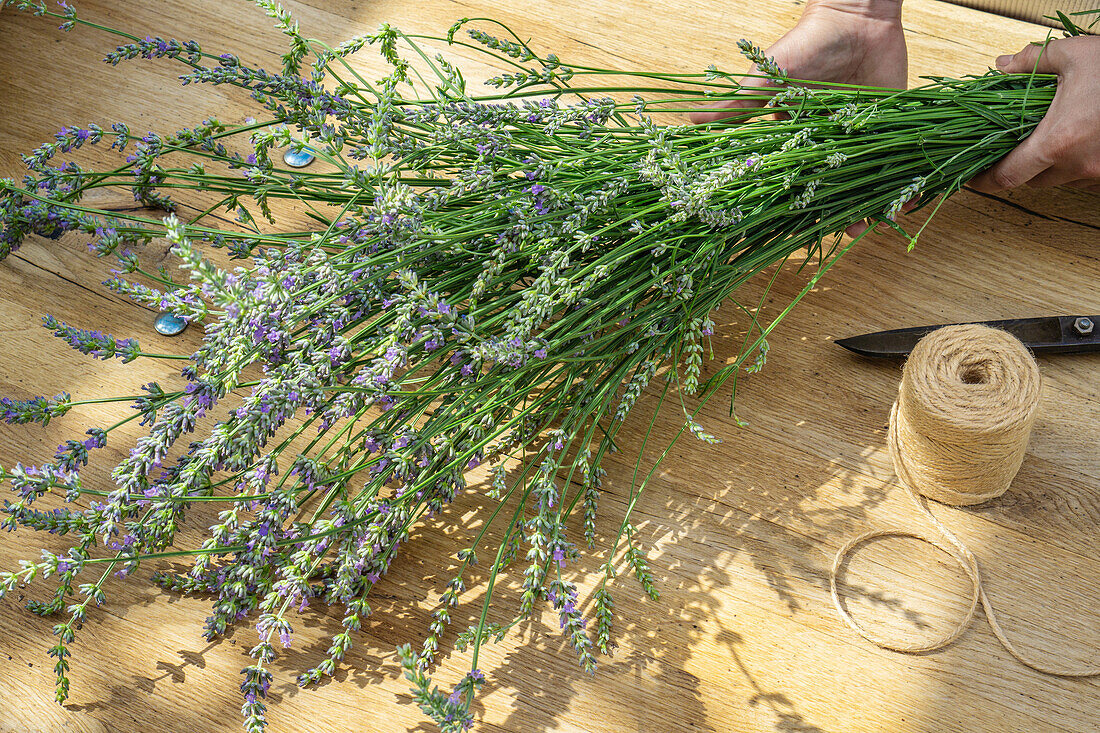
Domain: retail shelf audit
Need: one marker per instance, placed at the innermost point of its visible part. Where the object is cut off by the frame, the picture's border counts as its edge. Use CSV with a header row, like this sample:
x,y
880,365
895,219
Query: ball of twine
x,y
961,423
959,429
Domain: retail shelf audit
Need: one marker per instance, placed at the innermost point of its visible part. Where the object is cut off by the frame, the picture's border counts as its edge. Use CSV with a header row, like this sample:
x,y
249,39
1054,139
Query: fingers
x,y
728,108
854,230
721,111
1024,163
1040,58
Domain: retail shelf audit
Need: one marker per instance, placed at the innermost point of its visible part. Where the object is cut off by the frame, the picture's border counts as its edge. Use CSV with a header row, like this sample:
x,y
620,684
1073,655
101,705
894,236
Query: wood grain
x,y
744,637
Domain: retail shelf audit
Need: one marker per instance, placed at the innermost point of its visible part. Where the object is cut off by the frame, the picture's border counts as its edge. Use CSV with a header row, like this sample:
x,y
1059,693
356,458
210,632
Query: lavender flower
x,y
94,343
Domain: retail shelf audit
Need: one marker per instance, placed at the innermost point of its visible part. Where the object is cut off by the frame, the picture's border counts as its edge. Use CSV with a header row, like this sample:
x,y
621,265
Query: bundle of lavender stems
x,y
492,278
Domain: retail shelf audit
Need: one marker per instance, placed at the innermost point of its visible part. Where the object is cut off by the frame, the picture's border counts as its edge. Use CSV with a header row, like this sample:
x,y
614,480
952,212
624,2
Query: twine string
x,y
958,433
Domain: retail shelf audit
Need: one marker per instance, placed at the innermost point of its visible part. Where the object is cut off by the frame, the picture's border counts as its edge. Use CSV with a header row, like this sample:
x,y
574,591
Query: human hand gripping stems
x,y
862,42
1064,149
857,42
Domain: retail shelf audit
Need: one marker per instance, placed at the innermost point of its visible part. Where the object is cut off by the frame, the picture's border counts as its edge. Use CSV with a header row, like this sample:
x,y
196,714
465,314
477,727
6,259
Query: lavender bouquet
x,y
491,278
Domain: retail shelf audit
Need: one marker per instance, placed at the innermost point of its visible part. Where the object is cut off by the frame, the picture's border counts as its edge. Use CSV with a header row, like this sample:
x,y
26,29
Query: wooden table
x,y
743,533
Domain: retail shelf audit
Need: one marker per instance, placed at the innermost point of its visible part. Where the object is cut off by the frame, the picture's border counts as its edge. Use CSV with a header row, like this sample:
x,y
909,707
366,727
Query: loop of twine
x,y
958,432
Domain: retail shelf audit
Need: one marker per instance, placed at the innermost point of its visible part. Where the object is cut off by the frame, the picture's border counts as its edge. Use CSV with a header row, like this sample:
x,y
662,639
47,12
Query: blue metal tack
x,y
169,324
297,158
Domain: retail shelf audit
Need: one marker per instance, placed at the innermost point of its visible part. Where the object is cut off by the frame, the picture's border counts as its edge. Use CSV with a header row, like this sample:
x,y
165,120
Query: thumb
x,y
757,92
1040,58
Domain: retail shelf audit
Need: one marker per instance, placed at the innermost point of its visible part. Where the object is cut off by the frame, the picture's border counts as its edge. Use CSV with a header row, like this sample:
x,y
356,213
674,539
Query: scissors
x,y
1048,335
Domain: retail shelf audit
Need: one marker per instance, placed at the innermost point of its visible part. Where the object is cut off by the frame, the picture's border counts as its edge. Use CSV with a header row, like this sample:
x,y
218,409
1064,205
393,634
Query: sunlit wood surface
x,y
744,637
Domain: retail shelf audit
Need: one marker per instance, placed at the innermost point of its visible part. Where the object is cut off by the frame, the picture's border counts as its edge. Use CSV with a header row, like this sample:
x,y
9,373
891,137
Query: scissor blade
x,y
1049,335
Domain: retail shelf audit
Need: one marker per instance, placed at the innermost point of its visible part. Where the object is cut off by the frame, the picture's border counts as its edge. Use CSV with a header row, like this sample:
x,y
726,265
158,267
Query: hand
x,y
843,41
1064,149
